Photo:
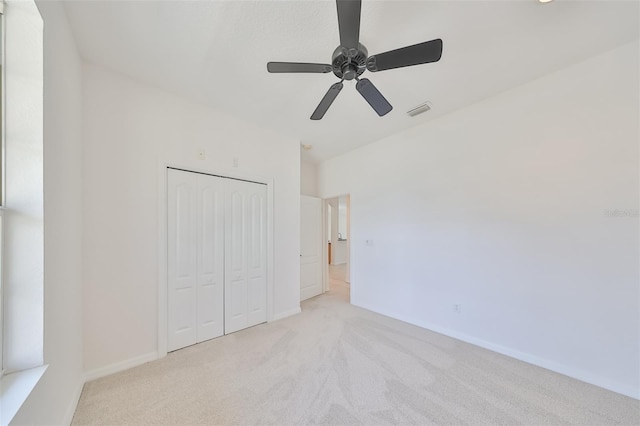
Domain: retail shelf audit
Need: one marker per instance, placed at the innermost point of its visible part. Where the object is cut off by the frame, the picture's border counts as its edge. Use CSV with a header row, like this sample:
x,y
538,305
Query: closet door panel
x,y
235,257
182,265
257,254
210,252
245,255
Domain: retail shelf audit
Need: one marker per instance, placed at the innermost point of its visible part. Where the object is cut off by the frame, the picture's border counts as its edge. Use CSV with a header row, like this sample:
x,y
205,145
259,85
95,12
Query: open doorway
x,y
337,278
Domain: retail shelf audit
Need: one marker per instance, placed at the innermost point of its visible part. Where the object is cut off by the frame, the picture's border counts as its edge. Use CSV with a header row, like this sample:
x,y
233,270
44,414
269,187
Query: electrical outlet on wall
x,y
201,154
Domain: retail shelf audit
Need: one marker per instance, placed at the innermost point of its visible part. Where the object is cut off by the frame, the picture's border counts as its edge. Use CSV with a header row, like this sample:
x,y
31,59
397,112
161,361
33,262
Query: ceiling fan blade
x,y
421,53
278,67
373,96
326,102
349,23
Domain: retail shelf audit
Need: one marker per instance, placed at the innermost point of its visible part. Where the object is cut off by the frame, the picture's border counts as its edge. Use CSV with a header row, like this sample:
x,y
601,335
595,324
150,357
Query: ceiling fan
x,y
351,59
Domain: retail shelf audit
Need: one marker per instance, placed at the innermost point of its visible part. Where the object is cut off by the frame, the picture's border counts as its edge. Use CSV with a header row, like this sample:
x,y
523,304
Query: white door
x,y
245,255
310,247
195,270
210,257
181,268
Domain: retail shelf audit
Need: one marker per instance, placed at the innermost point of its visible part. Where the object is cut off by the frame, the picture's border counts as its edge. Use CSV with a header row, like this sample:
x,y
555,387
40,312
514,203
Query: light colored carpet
x,y
339,364
337,274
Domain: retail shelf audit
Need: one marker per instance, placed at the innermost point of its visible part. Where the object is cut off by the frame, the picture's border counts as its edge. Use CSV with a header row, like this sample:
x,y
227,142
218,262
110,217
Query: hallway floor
x,y
337,283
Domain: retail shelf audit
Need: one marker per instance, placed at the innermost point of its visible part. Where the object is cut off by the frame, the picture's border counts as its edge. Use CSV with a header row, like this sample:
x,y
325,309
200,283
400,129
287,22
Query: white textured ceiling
x,y
216,52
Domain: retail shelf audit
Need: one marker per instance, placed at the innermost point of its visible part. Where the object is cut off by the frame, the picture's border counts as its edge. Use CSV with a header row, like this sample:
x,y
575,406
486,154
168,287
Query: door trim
x,y
163,235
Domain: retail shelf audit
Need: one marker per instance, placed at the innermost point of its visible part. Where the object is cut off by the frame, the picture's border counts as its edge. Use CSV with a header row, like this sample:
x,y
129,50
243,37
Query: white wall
x,y
53,400
308,179
130,130
500,207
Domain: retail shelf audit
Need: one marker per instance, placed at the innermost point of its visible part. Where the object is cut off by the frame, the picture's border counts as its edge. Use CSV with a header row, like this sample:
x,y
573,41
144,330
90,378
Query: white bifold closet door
x,y
216,242
245,255
195,258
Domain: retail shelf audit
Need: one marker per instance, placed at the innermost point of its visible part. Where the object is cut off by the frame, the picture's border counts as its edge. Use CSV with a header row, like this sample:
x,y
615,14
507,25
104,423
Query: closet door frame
x,y
162,301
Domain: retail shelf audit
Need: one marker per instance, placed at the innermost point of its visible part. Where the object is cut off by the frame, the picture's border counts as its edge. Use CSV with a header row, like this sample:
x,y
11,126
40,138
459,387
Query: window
x,y
1,311
1,170
22,254
1,104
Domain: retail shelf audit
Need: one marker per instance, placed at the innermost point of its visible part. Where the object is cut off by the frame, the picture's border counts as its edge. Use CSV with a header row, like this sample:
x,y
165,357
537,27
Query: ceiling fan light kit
x,y
350,60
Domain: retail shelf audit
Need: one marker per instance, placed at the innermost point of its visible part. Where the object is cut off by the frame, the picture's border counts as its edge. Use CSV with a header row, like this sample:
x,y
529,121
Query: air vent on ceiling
x,y
420,109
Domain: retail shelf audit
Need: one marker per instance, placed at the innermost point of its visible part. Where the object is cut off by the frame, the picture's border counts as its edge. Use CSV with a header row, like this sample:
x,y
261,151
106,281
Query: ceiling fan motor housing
x,y
346,66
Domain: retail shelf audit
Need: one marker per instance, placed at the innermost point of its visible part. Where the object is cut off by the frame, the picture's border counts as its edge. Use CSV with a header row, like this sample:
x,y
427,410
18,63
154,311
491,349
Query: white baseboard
x,y
120,366
73,404
286,314
556,367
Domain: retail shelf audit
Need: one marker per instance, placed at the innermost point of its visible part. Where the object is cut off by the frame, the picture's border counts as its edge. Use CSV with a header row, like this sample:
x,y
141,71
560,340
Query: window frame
x,y
2,179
